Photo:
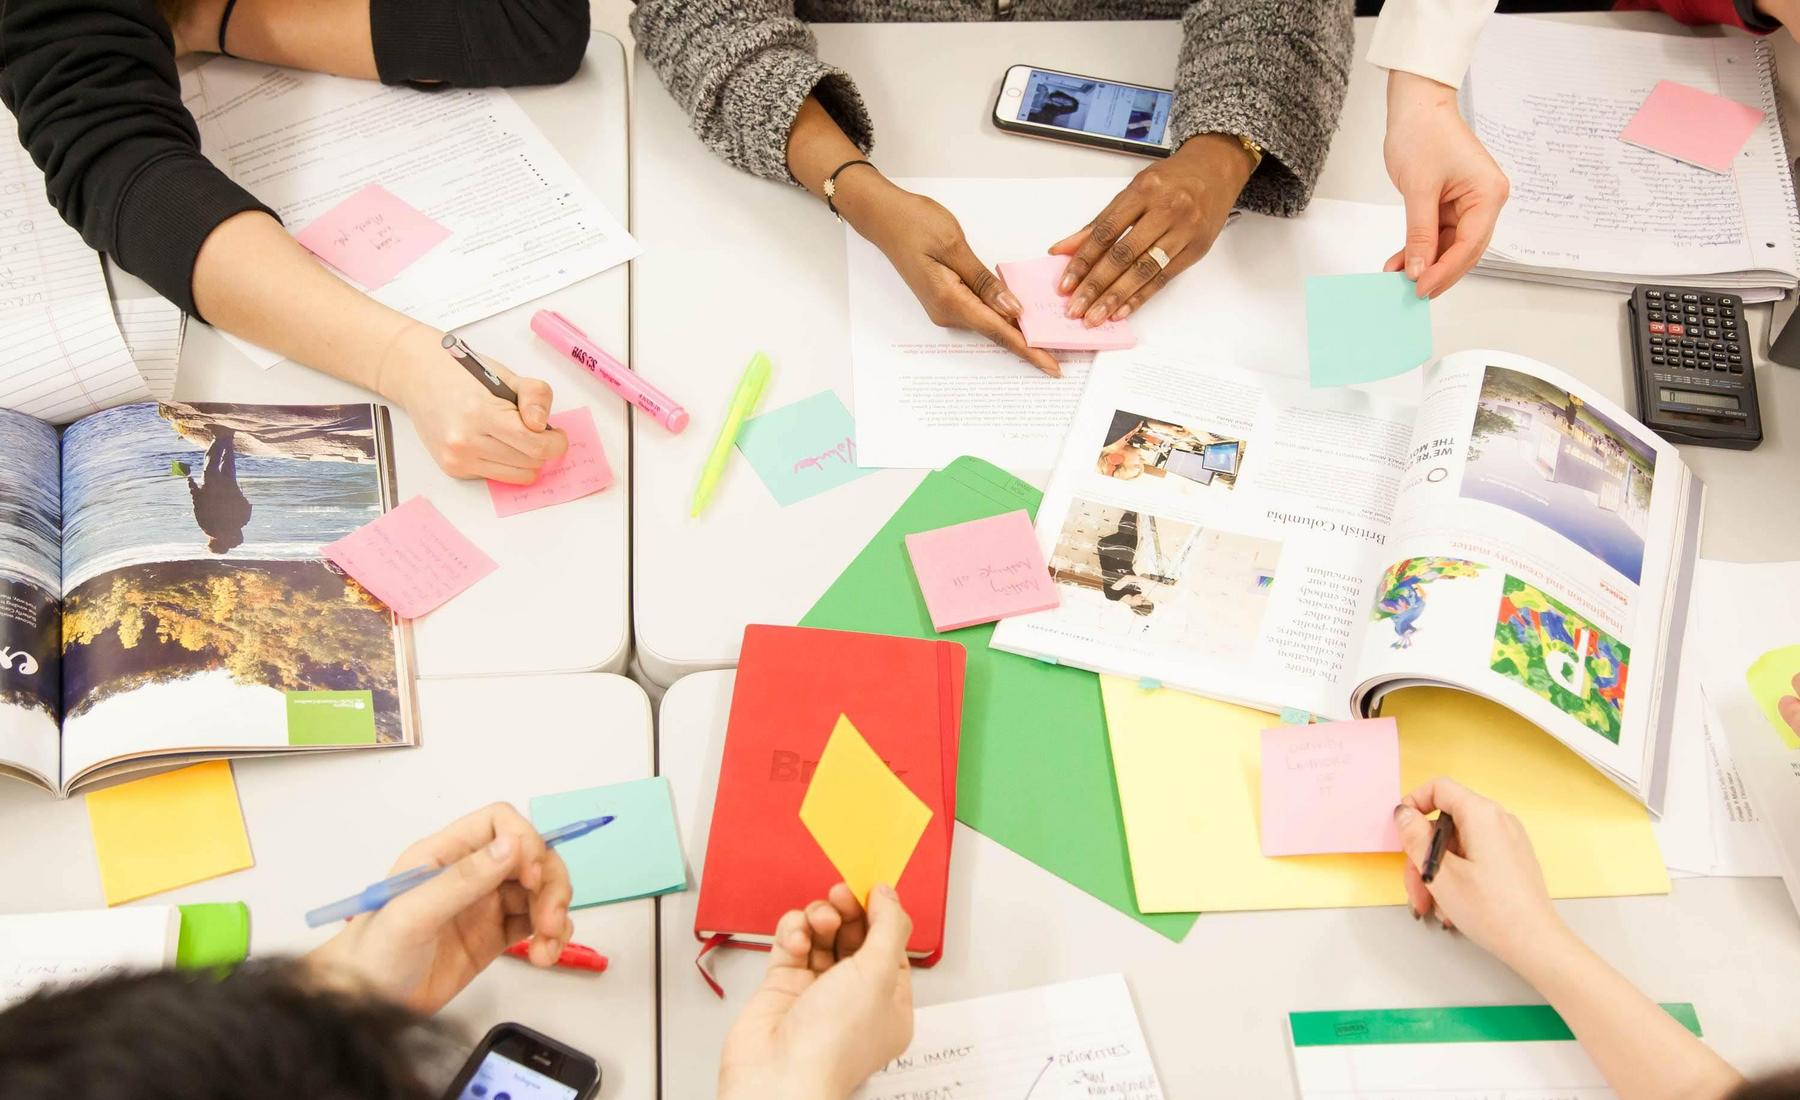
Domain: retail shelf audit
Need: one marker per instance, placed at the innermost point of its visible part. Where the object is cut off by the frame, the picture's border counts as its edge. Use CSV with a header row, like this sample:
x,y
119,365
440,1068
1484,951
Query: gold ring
x,y
1161,257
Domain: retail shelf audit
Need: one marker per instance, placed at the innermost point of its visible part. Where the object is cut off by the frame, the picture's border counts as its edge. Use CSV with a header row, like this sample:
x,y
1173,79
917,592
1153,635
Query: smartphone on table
x,y
1084,110
514,1062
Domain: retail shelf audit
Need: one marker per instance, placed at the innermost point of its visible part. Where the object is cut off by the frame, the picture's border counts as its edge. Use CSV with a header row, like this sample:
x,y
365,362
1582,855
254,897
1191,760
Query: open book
x,y
1549,101
162,594
1241,536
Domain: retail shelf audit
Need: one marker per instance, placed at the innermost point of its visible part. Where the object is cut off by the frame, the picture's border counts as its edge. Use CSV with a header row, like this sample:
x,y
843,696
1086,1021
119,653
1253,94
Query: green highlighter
x,y
1033,734
743,403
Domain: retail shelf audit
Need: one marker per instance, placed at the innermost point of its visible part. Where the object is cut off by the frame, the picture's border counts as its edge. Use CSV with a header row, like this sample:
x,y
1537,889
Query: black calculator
x,y
1695,381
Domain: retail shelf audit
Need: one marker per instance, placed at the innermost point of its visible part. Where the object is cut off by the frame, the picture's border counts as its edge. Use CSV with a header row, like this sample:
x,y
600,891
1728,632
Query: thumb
x,y
1421,231
535,397
1415,834
424,910
889,929
981,279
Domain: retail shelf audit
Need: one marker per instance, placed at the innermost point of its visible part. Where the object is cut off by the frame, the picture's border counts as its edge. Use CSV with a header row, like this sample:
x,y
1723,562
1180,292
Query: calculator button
x,y
1658,327
1710,311
1656,315
1690,297
1674,330
1656,341
1737,368
1736,358
1652,293
1707,298
1657,360
1712,334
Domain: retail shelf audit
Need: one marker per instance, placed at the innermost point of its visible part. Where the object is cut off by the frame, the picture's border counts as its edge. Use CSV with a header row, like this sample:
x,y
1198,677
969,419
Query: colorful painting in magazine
x,y
1400,600
1560,657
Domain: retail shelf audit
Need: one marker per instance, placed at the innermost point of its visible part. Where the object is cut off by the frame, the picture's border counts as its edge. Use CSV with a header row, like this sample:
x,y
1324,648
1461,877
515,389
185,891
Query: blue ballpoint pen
x,y
378,895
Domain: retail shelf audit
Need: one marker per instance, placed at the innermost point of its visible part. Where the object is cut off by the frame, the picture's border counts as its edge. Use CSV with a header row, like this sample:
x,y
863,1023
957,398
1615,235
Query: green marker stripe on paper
x,y
1481,1024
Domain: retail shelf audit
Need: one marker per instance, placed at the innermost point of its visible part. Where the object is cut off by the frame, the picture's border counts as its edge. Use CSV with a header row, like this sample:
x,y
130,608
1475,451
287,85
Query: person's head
x,y
1123,464
1782,1086
220,544
1133,597
261,1033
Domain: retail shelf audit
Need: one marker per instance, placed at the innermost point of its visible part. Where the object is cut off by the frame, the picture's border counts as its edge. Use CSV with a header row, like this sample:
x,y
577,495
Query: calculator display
x,y
1702,400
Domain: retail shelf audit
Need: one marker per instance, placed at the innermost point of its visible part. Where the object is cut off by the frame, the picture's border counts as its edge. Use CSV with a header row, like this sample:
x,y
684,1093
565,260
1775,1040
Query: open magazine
x,y
1514,535
163,598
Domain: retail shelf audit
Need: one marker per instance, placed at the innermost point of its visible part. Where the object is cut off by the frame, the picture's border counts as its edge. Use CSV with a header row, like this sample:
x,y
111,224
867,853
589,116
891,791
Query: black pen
x,y
460,352
1443,831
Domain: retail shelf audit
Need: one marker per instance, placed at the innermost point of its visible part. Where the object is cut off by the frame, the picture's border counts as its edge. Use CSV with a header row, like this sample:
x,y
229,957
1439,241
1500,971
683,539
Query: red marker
x,y
573,957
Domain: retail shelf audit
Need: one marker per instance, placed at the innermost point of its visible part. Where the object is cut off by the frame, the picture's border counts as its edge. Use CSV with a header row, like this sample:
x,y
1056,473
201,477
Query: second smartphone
x,y
1084,110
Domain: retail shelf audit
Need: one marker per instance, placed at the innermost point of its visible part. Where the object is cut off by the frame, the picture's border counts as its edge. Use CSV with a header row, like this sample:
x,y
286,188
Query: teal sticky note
x,y
1361,328
803,449
637,856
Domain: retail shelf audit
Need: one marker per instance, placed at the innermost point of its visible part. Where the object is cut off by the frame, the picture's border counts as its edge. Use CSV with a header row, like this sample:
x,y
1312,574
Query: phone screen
x,y
500,1078
1096,106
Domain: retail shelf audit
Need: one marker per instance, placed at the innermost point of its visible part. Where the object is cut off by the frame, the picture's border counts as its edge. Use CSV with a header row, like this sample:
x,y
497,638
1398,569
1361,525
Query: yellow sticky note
x,y
862,815
1189,775
168,830
1771,677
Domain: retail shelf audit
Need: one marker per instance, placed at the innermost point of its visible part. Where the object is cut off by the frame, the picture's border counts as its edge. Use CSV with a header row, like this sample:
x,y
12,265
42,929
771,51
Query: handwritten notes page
x,y
1045,322
1692,126
582,470
1330,788
64,355
1549,101
411,559
803,449
523,223
39,949
371,236
981,571
1069,1041
153,329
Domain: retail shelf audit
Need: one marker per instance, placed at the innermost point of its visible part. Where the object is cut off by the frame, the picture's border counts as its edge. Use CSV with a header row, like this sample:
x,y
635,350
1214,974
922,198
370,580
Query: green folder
x,y
1035,772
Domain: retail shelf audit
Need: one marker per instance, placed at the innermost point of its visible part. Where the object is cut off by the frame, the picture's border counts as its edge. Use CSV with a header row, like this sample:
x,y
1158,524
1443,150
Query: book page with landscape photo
x,y
199,614
30,582
1538,556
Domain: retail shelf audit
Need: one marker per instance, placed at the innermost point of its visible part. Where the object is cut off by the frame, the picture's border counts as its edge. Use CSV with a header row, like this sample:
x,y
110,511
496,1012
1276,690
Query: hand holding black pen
x,y
460,352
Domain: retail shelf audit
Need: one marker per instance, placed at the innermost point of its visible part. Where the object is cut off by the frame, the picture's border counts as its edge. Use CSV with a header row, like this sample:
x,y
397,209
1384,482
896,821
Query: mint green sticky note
x,y
803,449
1362,328
331,717
637,856
213,934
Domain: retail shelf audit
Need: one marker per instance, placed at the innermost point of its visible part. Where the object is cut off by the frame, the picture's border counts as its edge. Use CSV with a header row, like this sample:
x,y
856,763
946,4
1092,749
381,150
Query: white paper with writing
x,y
153,329
39,949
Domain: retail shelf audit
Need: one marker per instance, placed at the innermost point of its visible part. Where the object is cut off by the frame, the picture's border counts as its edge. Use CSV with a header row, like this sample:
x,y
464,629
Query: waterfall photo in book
x,y
1514,534
163,597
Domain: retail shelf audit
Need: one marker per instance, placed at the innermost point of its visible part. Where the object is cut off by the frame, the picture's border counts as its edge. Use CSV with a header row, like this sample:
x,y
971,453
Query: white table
x,y
733,264
560,601
324,826
1214,1007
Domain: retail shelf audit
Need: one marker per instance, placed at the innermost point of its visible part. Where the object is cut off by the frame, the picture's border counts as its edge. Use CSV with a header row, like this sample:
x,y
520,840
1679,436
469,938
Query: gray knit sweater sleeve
x,y
1274,71
741,69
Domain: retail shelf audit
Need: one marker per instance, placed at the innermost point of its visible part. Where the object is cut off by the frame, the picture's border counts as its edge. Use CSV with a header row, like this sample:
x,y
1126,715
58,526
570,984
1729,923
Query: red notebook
x,y
904,695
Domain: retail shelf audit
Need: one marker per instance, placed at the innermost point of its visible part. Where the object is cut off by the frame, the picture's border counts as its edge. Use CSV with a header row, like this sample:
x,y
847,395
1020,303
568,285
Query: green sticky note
x,y
1035,769
1772,677
331,717
637,856
213,934
803,449
1362,328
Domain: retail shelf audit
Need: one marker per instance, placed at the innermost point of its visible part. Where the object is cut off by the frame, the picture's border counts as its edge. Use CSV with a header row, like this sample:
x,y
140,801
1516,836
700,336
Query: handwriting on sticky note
x,y
1362,328
578,472
803,449
1693,126
371,236
1330,788
1036,283
411,559
981,571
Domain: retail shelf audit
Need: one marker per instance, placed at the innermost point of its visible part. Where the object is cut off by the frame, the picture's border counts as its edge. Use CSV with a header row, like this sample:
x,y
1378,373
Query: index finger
x,y
1448,795
973,314
1473,232
1102,233
472,831
509,427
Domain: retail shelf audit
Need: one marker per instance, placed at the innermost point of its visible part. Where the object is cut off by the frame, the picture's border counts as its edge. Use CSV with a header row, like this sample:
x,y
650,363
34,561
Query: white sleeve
x,y
1433,38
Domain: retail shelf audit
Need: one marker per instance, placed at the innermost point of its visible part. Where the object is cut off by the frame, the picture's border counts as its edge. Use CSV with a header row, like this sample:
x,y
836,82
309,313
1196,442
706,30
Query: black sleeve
x,y
476,43
98,102
1755,20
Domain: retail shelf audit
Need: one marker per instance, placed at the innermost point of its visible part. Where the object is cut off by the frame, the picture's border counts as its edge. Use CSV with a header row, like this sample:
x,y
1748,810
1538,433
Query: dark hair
x,y
1782,1086
1125,590
260,1032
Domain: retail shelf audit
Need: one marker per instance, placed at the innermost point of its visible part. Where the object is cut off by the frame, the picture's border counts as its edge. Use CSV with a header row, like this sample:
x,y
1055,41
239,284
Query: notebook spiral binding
x,y
1771,105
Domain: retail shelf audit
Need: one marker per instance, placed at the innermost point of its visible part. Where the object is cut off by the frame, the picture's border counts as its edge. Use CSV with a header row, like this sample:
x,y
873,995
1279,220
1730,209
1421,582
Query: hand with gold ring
x,y
1158,227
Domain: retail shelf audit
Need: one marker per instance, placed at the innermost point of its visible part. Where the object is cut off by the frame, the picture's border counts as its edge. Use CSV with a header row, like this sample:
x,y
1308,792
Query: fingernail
x,y
1415,267
887,892
1123,312
1054,372
1068,282
537,415
1096,316
1413,911
1400,812
1009,303
1078,305
500,849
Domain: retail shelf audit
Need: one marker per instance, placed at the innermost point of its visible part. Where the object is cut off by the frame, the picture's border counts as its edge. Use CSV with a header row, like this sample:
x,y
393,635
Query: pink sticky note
x,y
1034,283
1692,126
1330,788
981,571
581,470
411,559
371,236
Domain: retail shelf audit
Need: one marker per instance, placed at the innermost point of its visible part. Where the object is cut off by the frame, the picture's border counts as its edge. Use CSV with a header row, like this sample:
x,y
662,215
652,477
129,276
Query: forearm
x,y
328,36
254,281
817,147
1640,1049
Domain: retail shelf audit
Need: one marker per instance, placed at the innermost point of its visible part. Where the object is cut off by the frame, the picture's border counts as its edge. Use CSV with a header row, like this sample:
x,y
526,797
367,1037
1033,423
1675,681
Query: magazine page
x,y
1217,530
30,581
1543,542
198,611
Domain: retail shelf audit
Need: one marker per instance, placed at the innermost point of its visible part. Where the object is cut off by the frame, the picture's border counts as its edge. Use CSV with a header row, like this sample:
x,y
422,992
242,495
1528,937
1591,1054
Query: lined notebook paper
x,y
64,355
38,949
153,329
1549,100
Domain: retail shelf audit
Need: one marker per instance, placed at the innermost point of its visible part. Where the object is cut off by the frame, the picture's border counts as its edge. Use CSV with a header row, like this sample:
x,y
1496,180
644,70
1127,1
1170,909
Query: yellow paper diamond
x,y
864,818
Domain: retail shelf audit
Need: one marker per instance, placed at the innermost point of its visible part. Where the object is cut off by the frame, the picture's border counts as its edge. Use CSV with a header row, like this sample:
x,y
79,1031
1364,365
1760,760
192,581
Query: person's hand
x,y
469,432
503,884
834,1006
1178,206
1488,885
1452,188
1788,706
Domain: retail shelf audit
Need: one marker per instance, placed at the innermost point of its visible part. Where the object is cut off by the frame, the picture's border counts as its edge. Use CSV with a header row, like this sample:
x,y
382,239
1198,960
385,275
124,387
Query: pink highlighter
x,y
556,330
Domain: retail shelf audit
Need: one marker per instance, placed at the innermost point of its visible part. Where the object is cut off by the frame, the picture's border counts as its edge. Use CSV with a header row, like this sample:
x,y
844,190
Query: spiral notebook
x,y
1549,101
